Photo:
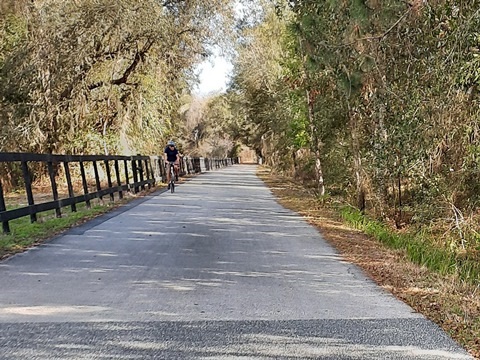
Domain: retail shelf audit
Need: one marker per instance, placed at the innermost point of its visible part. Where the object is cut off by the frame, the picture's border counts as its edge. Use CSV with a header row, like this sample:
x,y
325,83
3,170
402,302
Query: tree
x,y
262,104
104,75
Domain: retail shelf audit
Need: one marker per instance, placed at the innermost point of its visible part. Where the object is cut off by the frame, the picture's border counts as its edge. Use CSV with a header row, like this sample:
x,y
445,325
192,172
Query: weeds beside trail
x,y
25,234
452,304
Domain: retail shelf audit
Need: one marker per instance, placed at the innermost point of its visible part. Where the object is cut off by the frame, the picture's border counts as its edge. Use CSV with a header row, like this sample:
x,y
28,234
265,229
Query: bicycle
x,y
171,184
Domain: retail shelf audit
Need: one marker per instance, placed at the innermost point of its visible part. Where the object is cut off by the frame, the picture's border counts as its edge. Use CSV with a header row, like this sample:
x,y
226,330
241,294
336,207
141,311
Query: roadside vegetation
x,y
422,248
103,77
376,103
25,234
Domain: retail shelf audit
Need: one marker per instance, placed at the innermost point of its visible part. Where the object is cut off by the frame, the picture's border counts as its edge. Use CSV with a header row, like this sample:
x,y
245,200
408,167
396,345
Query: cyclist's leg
x,y
176,170
167,171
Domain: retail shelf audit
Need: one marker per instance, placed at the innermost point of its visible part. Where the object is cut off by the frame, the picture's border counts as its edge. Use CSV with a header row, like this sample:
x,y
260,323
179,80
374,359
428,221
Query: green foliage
x,y
13,30
419,247
102,68
25,234
359,11
235,151
385,95
263,106
95,142
299,133
470,71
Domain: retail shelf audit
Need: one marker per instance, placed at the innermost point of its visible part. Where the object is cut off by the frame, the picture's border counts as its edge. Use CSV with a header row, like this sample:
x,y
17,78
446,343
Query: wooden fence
x,y
94,172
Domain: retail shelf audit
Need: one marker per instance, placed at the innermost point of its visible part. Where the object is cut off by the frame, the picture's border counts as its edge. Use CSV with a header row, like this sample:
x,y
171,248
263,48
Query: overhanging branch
x,y
139,56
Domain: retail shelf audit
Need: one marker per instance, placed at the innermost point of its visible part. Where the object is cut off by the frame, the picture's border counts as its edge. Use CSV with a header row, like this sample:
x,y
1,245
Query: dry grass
x,y
453,305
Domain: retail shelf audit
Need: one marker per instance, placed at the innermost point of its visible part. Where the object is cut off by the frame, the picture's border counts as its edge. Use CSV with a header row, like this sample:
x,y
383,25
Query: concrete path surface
x,y
217,270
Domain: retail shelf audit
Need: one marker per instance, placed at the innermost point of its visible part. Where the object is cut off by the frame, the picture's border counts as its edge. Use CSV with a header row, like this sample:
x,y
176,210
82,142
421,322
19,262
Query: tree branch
x,y
381,36
139,56
136,60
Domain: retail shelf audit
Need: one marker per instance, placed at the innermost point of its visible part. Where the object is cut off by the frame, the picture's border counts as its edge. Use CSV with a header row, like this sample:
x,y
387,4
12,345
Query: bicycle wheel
x,y
172,186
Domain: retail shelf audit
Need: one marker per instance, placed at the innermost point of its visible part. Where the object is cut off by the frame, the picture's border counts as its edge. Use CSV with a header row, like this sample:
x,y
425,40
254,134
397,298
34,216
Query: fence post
x,y
97,180
119,183
182,166
161,168
144,164
85,185
127,181
149,172
69,184
135,175
140,167
109,178
6,227
28,188
51,173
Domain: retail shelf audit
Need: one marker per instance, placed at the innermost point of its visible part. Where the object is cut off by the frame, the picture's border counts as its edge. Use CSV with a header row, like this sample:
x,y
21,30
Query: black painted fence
x,y
99,176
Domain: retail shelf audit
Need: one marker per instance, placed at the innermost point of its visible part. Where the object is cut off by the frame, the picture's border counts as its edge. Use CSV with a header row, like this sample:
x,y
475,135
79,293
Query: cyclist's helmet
x,y
171,143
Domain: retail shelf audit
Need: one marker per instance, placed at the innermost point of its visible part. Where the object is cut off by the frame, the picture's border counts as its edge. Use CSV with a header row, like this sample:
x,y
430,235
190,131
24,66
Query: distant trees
x,y
260,92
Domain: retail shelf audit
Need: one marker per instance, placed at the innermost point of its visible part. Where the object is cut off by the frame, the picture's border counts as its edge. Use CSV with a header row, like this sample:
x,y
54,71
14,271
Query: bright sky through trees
x,y
214,72
213,76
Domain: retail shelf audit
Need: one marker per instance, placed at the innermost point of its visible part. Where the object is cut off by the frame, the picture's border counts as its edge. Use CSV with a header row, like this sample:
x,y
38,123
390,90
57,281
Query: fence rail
x,y
131,174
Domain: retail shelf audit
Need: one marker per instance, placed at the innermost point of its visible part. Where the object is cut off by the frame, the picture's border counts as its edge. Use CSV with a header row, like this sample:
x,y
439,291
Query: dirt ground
x,y
453,305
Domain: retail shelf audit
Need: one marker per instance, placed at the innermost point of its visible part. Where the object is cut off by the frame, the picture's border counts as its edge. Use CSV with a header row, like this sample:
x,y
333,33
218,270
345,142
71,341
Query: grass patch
x,y
418,247
25,234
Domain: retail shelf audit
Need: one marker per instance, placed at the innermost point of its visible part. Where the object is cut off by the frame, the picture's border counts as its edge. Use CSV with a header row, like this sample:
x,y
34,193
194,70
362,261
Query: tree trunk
x,y
357,163
360,188
315,146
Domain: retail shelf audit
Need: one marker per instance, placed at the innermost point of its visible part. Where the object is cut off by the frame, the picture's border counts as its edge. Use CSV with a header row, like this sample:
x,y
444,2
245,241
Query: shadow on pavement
x,y
295,339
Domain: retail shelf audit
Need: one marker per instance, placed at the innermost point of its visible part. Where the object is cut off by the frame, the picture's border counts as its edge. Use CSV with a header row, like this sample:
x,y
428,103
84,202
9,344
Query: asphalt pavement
x,y
216,270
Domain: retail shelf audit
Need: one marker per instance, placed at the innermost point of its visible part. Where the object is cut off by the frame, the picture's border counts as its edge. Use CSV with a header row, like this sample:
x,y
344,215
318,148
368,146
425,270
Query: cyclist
x,y
171,156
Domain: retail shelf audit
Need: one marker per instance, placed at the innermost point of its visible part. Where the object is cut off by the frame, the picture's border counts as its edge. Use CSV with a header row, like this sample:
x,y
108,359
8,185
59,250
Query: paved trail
x,y
217,270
